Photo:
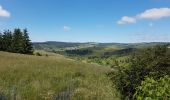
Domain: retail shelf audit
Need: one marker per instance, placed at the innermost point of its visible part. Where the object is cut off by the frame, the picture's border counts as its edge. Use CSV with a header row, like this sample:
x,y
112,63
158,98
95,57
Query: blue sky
x,y
89,20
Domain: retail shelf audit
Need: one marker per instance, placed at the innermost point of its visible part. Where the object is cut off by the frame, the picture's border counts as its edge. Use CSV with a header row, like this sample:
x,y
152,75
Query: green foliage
x,y
38,54
17,42
153,62
7,40
99,55
1,43
27,45
46,55
152,89
79,52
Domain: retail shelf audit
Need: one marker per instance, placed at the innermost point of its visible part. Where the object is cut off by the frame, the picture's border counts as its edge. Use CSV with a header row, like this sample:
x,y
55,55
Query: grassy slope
x,y
43,78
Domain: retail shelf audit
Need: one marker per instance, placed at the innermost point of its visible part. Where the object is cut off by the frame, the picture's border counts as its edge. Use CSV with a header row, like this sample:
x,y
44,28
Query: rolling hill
x,y
53,45
100,50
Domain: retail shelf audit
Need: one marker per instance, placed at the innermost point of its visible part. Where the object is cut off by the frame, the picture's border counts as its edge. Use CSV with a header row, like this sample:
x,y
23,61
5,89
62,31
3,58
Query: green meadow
x,y
52,77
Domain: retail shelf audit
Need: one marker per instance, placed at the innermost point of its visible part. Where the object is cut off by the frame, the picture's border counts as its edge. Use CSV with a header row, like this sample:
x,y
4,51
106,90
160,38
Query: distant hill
x,y
52,45
59,46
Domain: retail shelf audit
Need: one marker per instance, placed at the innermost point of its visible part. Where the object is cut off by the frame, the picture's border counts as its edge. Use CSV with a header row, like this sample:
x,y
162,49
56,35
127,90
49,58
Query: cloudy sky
x,y
89,20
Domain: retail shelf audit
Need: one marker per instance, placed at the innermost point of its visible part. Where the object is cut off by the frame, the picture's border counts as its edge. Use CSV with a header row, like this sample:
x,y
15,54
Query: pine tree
x,y
27,45
17,41
1,47
7,40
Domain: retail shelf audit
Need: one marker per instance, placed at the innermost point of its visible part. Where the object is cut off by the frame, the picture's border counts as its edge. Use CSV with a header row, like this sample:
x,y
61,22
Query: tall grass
x,y
25,77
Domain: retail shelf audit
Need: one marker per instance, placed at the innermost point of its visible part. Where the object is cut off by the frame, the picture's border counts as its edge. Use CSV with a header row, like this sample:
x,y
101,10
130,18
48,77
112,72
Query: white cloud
x,y
126,20
155,13
4,13
66,28
152,14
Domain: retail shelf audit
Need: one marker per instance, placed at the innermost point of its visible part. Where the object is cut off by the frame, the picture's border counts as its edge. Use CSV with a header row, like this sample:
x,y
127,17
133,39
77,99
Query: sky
x,y
123,21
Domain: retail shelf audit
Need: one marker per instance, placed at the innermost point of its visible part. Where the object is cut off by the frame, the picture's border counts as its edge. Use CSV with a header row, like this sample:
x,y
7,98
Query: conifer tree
x,y
27,45
17,41
7,40
1,48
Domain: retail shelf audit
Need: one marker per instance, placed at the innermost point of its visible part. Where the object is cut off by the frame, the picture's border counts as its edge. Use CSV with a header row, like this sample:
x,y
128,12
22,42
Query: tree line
x,y
79,52
16,41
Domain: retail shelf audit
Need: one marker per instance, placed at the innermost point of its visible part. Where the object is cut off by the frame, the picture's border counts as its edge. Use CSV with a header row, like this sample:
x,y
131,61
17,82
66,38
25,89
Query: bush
x,y
152,89
3,96
46,55
153,62
38,54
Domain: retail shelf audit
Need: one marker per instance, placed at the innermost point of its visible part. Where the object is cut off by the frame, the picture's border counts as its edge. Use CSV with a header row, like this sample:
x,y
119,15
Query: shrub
x,y
153,62
3,96
152,89
46,55
38,54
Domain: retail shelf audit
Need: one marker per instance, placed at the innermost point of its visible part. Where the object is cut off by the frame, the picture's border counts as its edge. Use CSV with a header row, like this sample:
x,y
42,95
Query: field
x,y
27,77
68,73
